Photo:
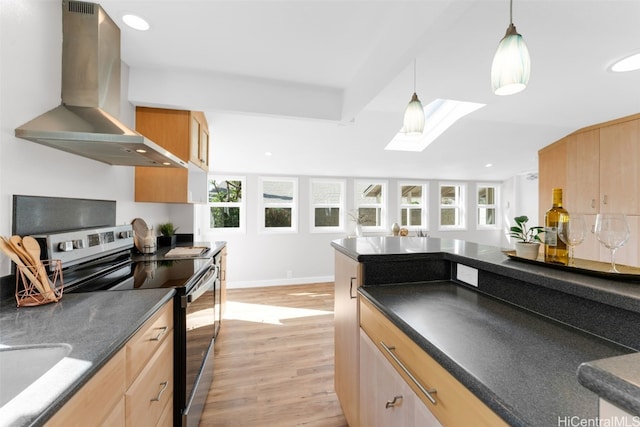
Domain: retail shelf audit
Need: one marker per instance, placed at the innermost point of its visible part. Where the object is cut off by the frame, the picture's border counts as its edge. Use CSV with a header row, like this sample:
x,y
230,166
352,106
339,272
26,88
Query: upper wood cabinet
x,y
199,140
186,134
552,173
599,169
619,167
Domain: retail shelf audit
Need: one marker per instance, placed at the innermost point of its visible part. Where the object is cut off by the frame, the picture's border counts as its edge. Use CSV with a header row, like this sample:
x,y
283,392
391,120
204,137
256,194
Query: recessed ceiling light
x,y
140,150
440,115
136,22
268,153
630,63
488,165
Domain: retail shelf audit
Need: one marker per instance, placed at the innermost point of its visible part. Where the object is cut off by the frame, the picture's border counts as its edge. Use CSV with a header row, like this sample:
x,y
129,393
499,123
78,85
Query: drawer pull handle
x,y
426,392
163,386
351,289
163,331
394,402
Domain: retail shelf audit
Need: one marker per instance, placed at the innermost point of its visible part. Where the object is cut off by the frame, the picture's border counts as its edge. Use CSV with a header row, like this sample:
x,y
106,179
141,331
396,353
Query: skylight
x,y
440,115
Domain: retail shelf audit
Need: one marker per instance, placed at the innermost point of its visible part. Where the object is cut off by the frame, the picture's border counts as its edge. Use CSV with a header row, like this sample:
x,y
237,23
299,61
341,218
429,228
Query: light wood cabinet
x,y
582,191
135,387
619,167
85,409
552,173
199,140
186,134
454,404
599,169
348,278
385,398
149,370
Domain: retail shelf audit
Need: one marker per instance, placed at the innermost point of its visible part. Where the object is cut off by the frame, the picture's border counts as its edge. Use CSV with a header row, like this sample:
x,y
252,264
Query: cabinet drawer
x,y
152,390
147,340
455,404
85,409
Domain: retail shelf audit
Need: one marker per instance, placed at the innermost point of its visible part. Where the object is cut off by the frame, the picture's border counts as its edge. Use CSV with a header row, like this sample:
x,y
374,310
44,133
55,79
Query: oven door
x,y
200,331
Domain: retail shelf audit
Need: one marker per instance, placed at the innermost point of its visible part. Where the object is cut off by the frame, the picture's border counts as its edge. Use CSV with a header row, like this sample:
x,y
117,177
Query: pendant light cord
x,y
511,12
414,74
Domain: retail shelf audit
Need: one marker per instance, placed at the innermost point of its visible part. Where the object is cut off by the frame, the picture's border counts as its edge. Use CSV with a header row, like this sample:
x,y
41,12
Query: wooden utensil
x,y
16,244
32,247
8,250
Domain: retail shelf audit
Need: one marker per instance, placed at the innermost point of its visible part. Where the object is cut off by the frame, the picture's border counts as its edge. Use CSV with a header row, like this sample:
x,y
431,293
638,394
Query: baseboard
x,y
279,282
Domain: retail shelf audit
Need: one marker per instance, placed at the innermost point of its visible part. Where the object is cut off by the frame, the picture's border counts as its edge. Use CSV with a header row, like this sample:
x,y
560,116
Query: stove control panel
x,y
73,247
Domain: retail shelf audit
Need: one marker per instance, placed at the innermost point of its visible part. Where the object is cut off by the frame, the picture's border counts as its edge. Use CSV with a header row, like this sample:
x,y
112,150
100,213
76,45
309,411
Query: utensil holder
x,y
28,292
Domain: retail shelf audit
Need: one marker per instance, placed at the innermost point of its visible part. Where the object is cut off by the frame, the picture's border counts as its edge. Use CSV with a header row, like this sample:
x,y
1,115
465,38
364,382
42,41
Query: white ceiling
x,y
323,84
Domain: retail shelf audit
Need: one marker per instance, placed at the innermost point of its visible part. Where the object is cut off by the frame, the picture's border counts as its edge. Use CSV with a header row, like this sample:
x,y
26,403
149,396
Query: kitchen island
x,y
525,339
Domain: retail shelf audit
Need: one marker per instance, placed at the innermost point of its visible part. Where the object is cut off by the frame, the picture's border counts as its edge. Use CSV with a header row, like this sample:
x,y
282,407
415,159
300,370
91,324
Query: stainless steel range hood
x,y
86,123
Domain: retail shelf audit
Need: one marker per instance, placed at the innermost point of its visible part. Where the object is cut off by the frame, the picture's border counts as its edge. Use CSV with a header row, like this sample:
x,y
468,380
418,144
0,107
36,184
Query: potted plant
x,y
167,234
528,243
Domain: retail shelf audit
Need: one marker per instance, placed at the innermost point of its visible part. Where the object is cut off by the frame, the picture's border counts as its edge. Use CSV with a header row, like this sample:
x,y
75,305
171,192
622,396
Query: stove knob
x,y
65,246
78,244
125,234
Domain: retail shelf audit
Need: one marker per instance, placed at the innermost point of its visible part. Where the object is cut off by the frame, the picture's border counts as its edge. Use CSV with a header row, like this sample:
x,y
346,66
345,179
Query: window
x,y
327,205
487,206
452,206
279,204
226,203
413,205
370,201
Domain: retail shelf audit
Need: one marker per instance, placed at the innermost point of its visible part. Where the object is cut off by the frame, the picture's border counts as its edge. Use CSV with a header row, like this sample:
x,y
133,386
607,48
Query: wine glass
x,y
612,230
572,229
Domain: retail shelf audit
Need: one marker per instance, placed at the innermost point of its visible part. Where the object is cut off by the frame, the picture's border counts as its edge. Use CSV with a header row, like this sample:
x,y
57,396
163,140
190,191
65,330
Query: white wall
x,y
257,259
30,76
520,197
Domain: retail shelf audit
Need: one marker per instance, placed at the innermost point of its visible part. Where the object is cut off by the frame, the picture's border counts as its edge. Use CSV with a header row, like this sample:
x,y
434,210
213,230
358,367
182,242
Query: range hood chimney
x,y
86,122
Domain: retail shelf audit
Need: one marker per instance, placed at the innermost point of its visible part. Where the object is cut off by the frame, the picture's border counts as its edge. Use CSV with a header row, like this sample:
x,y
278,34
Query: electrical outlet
x,y
467,274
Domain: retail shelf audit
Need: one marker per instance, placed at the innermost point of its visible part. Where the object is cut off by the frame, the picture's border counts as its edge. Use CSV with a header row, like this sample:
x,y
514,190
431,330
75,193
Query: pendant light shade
x,y
413,123
413,117
511,65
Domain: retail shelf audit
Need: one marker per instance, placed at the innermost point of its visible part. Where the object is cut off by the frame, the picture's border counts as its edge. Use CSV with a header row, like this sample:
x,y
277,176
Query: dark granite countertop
x,y
521,365
96,325
616,379
622,294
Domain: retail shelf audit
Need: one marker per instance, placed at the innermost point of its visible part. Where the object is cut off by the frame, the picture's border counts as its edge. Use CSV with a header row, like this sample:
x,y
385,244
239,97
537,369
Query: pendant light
x,y
413,123
511,65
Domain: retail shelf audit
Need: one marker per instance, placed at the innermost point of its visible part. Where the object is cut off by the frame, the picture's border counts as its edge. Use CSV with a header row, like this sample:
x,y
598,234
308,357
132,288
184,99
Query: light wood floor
x,y
274,360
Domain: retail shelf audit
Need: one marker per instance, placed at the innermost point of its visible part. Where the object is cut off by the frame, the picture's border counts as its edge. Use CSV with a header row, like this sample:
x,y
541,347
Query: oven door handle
x,y
203,284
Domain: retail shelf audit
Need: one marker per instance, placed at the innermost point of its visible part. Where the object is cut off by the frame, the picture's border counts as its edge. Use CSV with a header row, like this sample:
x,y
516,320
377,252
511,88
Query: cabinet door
x,y
346,336
619,170
385,399
552,173
194,139
583,170
203,149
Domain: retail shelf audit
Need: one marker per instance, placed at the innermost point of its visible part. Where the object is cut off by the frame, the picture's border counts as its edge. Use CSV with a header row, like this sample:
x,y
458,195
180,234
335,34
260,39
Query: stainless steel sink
x,y
20,366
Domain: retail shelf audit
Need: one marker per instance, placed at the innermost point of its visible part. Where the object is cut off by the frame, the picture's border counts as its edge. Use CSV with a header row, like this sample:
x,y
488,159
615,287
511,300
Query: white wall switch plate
x,y
467,274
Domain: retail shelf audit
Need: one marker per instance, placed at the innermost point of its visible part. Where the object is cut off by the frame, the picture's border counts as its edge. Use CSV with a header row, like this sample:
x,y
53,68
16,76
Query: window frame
x,y
242,205
495,206
262,206
424,204
460,206
342,205
383,205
